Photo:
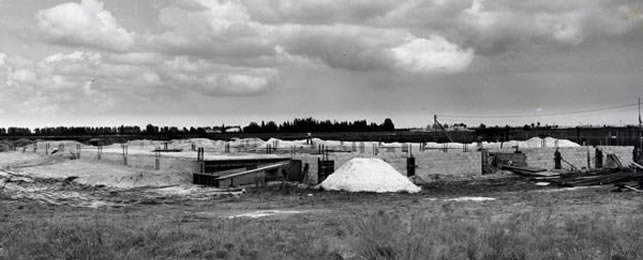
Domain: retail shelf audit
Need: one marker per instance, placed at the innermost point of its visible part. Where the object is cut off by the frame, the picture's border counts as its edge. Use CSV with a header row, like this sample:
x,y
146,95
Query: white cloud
x,y
93,58
151,78
434,54
214,79
251,83
24,76
136,58
3,58
568,34
86,24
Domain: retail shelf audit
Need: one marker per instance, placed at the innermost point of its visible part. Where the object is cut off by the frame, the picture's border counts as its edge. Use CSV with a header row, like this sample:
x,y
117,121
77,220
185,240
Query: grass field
x,y
522,223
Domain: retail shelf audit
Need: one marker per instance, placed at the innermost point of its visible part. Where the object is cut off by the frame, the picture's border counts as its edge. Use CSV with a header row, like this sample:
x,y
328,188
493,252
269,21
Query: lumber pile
x,y
619,178
525,170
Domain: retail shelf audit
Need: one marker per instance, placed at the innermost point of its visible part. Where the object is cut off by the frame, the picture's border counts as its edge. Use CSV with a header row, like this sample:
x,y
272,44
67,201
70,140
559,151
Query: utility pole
x,y
437,123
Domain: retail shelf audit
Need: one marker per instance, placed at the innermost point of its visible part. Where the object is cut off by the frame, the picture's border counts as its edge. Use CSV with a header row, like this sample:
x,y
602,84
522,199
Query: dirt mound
x,y
368,175
16,159
22,142
5,146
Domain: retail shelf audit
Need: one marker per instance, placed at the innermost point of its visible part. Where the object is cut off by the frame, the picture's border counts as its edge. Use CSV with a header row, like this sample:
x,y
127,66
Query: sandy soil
x,y
13,159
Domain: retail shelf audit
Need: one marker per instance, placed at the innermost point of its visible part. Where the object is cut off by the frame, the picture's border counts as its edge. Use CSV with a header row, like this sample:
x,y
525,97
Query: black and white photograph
x,y
321,129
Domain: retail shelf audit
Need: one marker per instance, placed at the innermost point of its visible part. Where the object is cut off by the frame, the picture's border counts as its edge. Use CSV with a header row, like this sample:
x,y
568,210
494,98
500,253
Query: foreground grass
x,y
411,235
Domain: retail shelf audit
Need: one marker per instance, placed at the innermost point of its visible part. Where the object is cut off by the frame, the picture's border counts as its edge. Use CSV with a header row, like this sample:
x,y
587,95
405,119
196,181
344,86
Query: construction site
x,y
290,181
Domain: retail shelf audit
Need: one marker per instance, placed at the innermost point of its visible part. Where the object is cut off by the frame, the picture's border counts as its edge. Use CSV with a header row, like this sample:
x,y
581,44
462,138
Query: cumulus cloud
x,y
217,28
214,79
135,58
84,24
434,54
3,58
23,76
151,78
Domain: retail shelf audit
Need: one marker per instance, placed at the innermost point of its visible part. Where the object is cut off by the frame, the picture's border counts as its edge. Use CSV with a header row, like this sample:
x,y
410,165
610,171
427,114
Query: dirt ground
x,y
42,197
62,185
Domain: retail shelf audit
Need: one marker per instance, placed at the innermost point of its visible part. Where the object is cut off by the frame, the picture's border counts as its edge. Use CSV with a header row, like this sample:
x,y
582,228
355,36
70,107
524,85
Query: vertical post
x,y
200,158
598,154
589,160
557,160
99,151
640,131
157,160
124,153
410,166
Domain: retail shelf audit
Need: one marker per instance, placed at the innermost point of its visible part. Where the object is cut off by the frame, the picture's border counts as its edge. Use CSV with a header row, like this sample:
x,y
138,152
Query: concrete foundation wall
x,y
544,157
141,161
427,162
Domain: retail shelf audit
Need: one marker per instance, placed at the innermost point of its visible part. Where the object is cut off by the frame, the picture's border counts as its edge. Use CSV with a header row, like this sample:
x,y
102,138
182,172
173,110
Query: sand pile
x,y
370,175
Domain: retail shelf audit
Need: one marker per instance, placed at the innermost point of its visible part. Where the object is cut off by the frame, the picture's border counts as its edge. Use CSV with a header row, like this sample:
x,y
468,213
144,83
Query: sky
x,y
208,62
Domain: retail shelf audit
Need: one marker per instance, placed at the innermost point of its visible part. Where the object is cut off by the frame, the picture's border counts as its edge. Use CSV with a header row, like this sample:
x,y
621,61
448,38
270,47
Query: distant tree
x,y
252,128
388,125
18,131
151,129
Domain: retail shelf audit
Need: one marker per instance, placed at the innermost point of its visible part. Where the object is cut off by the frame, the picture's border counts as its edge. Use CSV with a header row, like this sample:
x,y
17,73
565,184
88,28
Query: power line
x,y
542,115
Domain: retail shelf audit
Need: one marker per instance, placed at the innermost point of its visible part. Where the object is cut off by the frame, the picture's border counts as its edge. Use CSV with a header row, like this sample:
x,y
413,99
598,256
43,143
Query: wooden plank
x,y
524,168
263,168
631,188
637,165
570,164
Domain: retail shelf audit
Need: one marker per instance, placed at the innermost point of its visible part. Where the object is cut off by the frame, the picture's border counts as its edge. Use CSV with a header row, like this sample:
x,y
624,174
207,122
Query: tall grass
x,y
443,235
138,238
532,235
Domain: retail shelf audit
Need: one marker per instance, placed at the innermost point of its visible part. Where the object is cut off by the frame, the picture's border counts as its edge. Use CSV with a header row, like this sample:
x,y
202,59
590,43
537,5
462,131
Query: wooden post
x,y
410,166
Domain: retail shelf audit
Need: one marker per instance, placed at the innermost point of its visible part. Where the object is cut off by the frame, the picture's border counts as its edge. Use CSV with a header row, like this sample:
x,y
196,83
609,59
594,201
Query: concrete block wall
x,y
624,153
544,157
428,162
141,161
449,163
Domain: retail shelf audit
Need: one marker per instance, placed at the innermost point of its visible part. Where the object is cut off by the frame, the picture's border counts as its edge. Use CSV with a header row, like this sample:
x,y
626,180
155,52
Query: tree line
x,y
301,125
297,125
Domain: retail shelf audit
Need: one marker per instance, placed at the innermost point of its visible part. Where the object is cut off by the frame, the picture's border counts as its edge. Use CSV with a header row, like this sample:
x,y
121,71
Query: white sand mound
x,y
368,174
